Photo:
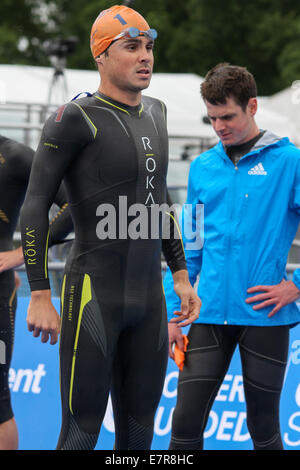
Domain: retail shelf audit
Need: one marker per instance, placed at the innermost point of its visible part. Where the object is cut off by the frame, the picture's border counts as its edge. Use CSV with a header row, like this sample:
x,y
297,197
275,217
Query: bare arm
x,y
11,259
189,312
190,302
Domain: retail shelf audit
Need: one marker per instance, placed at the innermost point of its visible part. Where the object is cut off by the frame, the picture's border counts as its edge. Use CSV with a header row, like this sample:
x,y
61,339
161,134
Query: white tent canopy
x,y
29,84
180,92
287,103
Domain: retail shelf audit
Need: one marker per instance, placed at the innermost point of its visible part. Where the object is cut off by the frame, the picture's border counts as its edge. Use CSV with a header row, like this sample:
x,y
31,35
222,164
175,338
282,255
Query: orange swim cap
x,y
111,22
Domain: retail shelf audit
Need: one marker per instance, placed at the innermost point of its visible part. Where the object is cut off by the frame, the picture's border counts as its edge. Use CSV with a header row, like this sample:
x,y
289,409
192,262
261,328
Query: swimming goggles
x,y
133,32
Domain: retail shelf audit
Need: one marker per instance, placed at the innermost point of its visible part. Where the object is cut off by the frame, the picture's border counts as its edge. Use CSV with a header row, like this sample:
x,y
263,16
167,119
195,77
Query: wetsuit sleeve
x,y
22,158
192,237
22,162
64,135
61,224
172,245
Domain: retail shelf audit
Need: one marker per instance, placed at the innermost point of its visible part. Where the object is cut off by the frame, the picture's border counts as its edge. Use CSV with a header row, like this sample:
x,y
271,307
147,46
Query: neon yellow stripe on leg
x,y
86,296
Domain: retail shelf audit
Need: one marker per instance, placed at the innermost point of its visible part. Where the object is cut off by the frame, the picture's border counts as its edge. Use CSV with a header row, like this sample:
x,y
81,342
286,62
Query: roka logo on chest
x,y
150,167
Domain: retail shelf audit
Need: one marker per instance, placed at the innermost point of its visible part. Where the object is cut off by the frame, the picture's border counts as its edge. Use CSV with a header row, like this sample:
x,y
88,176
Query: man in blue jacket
x,y
249,188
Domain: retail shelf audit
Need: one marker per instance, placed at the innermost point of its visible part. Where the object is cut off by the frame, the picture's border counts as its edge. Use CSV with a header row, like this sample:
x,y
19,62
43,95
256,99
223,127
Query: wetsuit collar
x,y
131,110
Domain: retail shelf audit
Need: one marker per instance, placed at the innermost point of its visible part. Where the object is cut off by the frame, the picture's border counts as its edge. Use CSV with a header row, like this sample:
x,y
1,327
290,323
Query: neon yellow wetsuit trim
x,y
86,296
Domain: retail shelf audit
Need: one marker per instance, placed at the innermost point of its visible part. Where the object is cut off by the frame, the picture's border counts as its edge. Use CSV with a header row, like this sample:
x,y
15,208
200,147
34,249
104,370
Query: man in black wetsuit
x,y
15,165
111,149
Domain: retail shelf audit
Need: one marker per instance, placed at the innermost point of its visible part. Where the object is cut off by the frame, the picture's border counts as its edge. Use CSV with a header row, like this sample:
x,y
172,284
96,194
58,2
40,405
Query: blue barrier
x,y
34,385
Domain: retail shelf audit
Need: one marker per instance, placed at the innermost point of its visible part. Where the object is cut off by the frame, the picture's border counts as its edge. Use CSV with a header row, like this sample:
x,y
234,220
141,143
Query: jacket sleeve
x,y
295,205
63,137
191,224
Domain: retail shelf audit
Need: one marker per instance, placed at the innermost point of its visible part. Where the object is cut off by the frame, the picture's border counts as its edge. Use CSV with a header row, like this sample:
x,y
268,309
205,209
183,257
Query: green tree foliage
x,y
194,35
21,32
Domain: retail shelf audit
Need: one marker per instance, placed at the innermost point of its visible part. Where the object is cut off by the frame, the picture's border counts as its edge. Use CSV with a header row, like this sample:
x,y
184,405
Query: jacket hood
x,y
267,139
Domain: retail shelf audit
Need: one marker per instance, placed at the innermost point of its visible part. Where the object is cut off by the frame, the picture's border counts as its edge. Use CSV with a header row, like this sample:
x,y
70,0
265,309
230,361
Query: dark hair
x,y
228,81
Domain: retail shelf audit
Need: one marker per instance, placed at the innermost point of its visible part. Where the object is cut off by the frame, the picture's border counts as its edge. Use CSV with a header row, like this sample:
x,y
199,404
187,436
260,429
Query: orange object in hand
x,y
179,355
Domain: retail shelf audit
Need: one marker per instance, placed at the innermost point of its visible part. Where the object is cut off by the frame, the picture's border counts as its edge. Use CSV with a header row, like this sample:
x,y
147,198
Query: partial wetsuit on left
x,y
15,166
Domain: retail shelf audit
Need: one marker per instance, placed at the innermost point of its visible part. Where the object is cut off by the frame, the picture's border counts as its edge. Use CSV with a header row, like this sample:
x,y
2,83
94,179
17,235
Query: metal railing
x,y
24,121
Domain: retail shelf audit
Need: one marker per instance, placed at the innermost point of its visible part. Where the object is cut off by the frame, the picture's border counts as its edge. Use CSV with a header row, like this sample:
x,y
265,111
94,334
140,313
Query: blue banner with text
x,y
34,385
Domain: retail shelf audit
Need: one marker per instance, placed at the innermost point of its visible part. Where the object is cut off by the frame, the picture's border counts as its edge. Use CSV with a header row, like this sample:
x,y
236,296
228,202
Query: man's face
x,y
231,123
129,64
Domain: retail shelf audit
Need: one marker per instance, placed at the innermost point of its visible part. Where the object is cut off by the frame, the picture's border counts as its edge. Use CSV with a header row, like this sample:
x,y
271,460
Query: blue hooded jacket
x,y
251,215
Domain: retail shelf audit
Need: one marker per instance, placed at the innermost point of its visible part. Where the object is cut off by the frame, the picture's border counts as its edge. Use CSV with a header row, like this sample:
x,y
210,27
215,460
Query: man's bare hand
x,y
190,302
11,259
175,337
42,318
278,295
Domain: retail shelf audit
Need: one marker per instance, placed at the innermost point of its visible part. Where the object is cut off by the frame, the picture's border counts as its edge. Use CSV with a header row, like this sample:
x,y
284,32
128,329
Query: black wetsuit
x,y
15,165
263,351
114,327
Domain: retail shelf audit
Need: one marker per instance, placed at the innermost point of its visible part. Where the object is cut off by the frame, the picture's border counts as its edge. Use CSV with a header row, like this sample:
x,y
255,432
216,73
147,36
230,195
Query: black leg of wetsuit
x,y
264,353
85,364
207,360
138,378
8,306
99,338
